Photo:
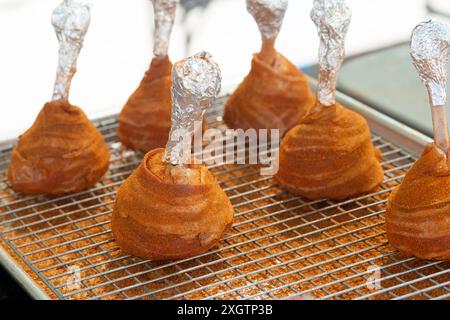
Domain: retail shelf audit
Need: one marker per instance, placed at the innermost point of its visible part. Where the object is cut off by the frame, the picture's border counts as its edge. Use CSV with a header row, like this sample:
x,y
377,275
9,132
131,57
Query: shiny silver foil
x,y
71,22
164,12
196,83
430,48
332,18
269,15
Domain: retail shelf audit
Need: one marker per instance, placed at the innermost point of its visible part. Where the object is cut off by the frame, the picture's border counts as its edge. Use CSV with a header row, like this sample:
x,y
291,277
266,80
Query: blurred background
x,y
118,48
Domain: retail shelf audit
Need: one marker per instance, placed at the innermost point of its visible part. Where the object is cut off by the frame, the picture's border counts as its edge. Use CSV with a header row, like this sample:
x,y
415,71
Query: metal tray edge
x,y
17,272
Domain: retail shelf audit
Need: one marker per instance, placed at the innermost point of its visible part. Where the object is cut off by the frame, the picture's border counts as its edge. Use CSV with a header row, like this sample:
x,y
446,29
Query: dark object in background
x,y
9,289
441,7
188,6
389,84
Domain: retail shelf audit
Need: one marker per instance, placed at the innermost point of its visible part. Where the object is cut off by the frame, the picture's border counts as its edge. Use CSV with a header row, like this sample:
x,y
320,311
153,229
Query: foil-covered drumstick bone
x,y
196,83
71,21
332,18
269,15
430,48
164,13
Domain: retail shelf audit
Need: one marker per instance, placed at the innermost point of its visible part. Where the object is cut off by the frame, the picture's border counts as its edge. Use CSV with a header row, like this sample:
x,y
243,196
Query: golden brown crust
x,y
165,212
144,122
61,153
270,97
329,155
418,211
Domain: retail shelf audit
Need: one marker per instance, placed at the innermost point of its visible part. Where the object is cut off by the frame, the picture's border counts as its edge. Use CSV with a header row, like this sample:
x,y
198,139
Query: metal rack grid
x,y
280,246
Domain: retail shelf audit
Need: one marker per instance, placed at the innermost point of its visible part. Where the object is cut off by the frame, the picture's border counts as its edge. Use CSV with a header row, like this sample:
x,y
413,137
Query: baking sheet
x,y
280,246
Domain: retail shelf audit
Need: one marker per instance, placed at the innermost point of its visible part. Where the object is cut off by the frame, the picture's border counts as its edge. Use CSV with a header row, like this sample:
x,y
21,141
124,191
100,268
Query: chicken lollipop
x,y
418,211
144,122
330,153
171,207
275,94
62,152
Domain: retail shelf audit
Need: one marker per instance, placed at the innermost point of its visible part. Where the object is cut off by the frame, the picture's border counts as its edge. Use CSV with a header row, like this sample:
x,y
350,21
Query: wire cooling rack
x,y
280,246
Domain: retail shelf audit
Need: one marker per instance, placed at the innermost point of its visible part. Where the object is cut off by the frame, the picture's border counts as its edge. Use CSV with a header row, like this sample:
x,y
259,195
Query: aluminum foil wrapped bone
x,y
71,21
164,13
269,15
332,18
430,48
196,84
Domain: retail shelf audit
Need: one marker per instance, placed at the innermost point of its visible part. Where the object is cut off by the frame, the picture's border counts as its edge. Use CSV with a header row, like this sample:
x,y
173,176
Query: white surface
x,y
118,45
